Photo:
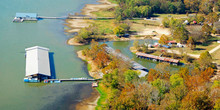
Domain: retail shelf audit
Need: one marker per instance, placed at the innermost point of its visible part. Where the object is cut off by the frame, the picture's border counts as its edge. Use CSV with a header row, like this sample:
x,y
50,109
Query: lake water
x,y
15,37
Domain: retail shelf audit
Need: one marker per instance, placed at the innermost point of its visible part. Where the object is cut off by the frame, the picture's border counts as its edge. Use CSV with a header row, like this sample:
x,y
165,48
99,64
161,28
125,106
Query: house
x,y
37,64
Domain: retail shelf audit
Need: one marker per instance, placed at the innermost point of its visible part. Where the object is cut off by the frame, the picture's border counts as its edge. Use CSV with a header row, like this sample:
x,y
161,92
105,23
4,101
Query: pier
x,y
71,79
46,17
134,64
157,58
75,17
20,17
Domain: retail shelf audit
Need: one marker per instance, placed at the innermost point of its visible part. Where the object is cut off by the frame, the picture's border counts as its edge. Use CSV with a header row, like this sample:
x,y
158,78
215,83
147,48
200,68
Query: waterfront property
x,y
20,17
37,64
157,58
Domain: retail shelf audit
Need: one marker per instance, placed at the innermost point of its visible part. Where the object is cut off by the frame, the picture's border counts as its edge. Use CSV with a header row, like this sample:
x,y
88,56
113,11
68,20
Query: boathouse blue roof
x,y
28,15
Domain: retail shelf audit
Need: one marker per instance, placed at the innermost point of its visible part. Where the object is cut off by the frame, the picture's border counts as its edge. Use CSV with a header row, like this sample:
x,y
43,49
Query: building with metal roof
x,y
37,62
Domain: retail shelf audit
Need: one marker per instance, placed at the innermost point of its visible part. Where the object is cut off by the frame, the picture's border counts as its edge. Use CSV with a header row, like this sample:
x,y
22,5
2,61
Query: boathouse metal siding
x,y
37,61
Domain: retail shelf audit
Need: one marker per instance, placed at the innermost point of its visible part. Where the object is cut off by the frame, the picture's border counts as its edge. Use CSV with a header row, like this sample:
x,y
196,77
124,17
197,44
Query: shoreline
x,y
94,71
74,26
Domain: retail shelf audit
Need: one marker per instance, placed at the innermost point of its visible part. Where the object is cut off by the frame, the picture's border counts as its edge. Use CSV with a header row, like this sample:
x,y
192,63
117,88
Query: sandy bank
x,y
90,103
94,72
89,8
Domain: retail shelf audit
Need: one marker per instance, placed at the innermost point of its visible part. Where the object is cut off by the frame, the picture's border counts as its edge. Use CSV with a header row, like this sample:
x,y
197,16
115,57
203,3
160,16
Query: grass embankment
x,y
103,97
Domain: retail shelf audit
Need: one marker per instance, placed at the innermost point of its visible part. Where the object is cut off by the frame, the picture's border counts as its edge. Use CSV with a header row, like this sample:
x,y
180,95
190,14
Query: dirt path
x,y
215,49
155,29
179,53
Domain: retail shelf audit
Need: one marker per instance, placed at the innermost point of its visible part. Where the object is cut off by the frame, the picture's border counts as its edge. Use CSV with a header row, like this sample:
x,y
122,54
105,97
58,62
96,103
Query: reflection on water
x,y
52,65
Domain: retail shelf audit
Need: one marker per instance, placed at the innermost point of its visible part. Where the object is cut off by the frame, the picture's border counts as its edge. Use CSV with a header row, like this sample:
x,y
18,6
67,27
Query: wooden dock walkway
x,y
45,17
75,17
70,80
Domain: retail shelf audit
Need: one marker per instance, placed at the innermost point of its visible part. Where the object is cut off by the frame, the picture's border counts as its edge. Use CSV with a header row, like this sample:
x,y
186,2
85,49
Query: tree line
x,y
146,8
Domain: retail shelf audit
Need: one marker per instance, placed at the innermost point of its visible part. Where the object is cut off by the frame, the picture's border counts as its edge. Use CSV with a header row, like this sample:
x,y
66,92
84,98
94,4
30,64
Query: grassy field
x,y
216,56
105,26
200,48
105,13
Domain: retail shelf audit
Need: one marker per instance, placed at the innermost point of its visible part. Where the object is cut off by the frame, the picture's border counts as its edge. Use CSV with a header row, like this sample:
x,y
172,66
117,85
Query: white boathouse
x,y
20,17
37,64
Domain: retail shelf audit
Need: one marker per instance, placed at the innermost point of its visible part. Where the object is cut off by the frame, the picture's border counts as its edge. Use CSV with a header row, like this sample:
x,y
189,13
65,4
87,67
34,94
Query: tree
x,y
212,18
206,74
193,6
176,80
162,86
163,39
200,18
205,6
181,34
163,69
191,43
205,60
136,44
217,105
130,76
102,59
166,22
152,75
196,100
119,31
180,7
206,32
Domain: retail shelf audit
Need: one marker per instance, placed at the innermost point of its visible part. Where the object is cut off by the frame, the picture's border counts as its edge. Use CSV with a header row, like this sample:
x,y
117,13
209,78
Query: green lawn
x,y
102,99
113,1
104,13
89,67
140,25
106,26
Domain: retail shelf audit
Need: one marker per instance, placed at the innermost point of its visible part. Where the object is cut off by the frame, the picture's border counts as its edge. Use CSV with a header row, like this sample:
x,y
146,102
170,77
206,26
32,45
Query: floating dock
x,y
157,58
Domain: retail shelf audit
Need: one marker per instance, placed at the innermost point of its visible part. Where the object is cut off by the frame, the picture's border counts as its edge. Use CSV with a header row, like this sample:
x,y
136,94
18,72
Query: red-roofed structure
x,y
157,58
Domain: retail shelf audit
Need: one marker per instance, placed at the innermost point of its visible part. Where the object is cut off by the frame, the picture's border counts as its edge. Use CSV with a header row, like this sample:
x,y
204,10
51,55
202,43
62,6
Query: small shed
x,y
37,62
